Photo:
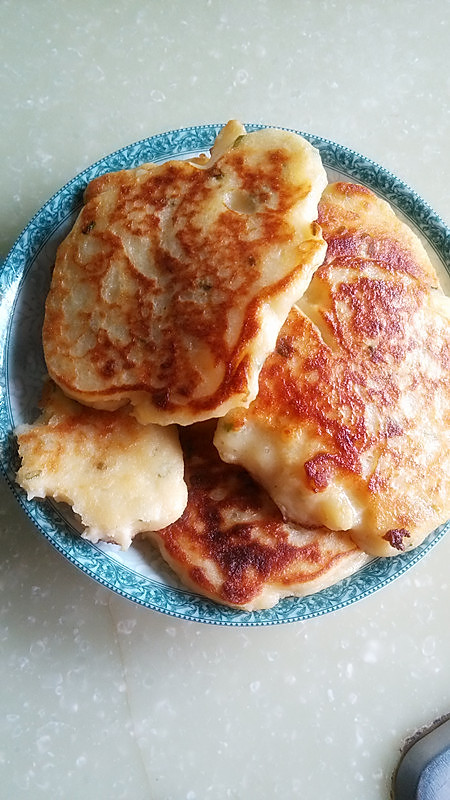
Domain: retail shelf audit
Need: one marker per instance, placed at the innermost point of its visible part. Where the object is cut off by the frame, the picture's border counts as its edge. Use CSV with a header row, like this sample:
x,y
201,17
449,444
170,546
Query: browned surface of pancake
x,y
176,278
351,426
231,543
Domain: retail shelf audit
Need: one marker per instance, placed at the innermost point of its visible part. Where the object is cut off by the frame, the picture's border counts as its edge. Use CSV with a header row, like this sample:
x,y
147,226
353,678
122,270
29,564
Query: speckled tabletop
x,y
102,698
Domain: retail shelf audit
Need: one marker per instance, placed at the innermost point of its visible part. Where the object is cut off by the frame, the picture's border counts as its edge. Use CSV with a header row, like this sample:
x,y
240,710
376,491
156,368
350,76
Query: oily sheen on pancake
x,y
351,426
120,477
171,288
231,543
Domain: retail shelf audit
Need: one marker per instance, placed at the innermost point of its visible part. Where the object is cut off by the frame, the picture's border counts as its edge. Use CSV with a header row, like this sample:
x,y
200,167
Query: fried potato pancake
x,y
231,543
351,426
120,477
172,286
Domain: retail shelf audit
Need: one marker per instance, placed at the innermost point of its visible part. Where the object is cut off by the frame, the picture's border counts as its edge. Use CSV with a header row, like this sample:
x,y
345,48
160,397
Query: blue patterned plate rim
x,y
28,265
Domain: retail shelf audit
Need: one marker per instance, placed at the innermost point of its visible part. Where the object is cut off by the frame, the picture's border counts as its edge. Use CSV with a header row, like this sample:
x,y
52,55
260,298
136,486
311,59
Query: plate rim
x,y
44,515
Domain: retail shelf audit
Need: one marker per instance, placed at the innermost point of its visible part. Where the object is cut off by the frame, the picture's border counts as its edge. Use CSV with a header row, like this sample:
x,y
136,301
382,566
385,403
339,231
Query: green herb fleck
x,y
30,476
238,141
227,427
88,228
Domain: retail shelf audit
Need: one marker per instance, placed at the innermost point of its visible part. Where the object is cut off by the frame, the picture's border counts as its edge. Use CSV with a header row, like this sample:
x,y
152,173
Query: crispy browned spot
x,y
395,538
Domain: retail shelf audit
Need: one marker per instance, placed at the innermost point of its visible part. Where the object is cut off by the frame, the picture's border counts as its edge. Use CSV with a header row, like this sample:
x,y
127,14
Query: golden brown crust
x,y
164,292
354,404
232,544
396,247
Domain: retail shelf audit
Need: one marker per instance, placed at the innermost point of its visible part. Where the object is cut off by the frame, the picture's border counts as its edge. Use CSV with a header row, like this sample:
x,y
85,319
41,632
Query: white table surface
x,y
104,699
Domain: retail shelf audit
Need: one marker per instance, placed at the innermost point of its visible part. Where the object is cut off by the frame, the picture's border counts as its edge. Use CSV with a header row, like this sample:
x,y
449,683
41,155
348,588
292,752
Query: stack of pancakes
x,y
248,365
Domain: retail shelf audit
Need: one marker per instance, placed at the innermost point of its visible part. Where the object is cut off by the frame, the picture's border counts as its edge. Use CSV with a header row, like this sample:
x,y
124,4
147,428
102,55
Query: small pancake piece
x,y
120,477
175,280
231,543
351,426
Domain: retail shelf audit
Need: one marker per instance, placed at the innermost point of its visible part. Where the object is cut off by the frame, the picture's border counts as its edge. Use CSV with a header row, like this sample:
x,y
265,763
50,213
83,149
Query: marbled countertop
x,y
102,698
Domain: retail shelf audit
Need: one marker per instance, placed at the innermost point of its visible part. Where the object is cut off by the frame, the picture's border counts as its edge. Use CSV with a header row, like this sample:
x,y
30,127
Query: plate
x,y
140,574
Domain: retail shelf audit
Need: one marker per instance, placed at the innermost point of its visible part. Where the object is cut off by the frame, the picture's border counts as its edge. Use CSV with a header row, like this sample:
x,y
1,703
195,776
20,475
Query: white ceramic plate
x,y
140,574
